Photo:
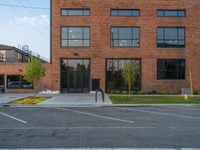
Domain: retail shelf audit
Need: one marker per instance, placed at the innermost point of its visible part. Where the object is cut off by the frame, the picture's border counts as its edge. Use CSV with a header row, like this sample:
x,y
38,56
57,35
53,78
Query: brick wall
x,y
19,69
100,22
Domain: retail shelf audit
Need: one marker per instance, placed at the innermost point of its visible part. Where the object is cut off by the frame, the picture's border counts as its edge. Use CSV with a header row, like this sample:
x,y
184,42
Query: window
x,y
125,12
75,37
75,12
171,37
2,55
173,69
16,81
2,84
75,75
171,13
114,79
19,57
2,58
125,37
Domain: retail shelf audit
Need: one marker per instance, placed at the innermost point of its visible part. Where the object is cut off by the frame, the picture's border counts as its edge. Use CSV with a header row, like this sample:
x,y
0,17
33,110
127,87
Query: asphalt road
x,y
100,127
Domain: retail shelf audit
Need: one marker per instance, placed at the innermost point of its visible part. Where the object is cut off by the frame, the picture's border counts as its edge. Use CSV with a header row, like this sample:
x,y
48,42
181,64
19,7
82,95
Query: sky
x,y
23,26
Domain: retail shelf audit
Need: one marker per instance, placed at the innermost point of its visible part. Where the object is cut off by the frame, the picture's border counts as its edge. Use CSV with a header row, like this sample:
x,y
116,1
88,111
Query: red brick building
x,y
93,39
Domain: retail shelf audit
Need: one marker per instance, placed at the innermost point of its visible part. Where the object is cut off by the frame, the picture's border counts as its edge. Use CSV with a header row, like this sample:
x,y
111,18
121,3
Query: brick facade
x,y
19,69
100,23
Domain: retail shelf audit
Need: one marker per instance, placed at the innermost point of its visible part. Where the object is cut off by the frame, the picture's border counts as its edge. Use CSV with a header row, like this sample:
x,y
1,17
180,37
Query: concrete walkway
x,y
6,98
60,99
75,99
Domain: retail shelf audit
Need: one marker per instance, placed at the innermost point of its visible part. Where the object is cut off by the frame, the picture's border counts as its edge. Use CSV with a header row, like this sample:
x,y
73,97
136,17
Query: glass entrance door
x,y
2,84
75,75
75,82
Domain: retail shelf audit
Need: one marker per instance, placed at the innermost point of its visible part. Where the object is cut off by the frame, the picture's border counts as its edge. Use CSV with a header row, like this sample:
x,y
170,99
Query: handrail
x,y
103,97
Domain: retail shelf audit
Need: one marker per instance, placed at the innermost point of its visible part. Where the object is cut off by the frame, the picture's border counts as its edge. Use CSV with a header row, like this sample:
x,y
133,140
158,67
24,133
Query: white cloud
x,y
10,23
37,21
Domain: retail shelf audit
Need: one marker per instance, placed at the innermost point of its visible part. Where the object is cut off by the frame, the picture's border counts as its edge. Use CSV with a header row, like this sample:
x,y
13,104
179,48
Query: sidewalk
x,y
59,99
6,98
75,99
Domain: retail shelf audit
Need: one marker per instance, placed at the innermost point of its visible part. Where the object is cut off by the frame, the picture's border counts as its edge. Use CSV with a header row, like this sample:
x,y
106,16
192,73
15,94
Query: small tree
x,y
34,72
129,73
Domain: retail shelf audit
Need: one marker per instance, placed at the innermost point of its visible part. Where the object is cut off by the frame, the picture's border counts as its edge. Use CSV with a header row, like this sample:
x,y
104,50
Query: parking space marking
x,y
182,108
160,113
72,128
95,115
108,149
14,118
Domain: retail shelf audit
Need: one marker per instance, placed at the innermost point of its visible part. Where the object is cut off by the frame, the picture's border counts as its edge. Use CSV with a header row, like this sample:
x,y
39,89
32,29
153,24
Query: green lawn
x,y
154,100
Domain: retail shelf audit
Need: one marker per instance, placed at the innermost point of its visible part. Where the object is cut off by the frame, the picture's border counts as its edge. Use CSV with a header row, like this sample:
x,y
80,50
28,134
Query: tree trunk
x,y
129,89
35,84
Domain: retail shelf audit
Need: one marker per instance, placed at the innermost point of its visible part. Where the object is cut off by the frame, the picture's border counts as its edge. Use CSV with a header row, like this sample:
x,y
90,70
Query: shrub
x,y
166,92
141,92
124,92
116,92
149,92
134,92
197,92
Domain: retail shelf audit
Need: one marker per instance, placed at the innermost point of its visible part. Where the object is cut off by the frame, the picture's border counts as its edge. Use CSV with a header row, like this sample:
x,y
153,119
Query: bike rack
x,y
103,97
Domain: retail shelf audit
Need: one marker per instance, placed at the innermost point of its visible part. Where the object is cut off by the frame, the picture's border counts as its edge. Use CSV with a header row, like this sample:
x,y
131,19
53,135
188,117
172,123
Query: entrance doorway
x,y
75,82
2,84
75,75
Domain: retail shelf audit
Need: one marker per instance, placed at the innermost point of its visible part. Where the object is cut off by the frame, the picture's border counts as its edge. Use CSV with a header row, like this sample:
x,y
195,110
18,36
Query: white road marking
x,y
182,108
160,113
9,116
108,149
71,128
95,115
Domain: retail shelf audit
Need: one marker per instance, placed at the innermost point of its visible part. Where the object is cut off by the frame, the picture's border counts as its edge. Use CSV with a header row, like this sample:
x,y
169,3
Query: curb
x,y
93,105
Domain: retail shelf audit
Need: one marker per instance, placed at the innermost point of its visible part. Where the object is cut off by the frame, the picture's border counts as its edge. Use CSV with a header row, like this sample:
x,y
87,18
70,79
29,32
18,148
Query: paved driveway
x,y
100,127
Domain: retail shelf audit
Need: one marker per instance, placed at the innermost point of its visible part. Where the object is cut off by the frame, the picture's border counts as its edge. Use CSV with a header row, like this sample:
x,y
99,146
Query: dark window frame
x,y
178,69
78,9
138,10
61,71
75,39
112,39
157,39
2,58
177,10
20,80
124,58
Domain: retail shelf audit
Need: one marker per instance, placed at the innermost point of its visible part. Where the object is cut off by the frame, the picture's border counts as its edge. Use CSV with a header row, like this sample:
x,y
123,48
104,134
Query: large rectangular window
x,y
75,12
75,37
170,69
2,84
168,37
75,75
2,55
171,13
125,12
114,79
125,37
16,82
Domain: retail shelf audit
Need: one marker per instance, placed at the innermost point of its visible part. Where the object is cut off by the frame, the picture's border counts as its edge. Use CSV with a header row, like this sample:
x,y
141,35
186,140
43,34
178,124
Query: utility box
x,y
95,84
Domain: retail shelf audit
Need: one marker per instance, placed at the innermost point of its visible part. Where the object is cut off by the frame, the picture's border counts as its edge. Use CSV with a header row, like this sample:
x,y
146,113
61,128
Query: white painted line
x,y
160,113
9,116
108,149
95,115
71,128
182,108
